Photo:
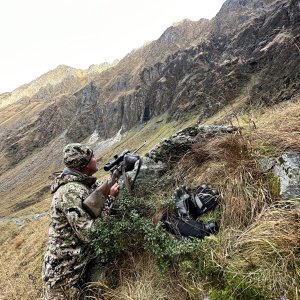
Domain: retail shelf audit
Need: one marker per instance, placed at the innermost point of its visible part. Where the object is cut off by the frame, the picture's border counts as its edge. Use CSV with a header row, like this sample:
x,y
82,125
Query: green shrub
x,y
131,229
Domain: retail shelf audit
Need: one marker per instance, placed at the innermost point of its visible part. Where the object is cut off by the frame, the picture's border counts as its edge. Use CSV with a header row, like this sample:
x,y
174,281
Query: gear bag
x,y
195,203
186,227
190,204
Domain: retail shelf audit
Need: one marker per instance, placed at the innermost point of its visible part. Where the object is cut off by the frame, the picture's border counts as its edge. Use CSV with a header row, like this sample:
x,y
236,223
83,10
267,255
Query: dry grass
x,y
266,254
257,249
276,128
8,230
226,162
26,186
139,280
21,262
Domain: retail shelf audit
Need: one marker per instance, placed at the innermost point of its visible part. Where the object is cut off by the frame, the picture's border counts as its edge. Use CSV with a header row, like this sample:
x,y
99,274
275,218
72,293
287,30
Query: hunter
x,y
69,252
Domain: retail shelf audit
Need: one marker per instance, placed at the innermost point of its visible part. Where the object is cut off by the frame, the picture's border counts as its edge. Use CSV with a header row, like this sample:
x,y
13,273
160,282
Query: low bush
x,y
132,228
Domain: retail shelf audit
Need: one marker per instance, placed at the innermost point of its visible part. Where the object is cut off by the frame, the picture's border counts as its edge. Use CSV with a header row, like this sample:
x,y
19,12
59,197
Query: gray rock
x,y
287,168
150,171
266,164
181,141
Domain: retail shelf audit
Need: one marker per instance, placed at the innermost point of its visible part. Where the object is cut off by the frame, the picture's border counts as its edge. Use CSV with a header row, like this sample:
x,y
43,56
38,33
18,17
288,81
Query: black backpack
x,y
189,205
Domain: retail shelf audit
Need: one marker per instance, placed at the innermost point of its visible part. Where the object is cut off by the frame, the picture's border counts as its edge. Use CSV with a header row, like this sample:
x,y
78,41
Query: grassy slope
x,y
266,132
21,239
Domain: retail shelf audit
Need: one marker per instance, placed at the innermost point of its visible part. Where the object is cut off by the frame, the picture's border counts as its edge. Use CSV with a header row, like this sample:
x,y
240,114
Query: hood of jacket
x,y
71,175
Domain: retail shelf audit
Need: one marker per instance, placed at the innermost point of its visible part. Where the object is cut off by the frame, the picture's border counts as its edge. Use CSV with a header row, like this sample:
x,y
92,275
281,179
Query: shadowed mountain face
x,y
248,54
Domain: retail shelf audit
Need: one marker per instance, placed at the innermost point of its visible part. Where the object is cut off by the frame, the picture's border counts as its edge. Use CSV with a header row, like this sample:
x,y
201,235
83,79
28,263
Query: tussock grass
x,y
226,162
265,255
273,130
255,255
139,280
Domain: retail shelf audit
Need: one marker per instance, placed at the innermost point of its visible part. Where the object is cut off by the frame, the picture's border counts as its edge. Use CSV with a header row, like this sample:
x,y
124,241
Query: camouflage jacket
x,y
68,250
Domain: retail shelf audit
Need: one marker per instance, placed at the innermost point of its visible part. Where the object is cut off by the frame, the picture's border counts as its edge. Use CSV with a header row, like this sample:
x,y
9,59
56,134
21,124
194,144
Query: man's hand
x,y
113,193
114,190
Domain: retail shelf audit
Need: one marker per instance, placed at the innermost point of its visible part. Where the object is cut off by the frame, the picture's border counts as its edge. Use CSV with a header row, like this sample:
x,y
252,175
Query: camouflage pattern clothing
x,y
77,155
68,251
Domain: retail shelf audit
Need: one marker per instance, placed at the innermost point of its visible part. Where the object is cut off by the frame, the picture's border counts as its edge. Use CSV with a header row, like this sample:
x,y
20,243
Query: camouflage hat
x,y
77,155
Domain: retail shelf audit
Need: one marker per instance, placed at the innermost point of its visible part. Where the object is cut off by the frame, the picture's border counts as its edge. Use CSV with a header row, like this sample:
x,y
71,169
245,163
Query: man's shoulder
x,y
73,185
70,194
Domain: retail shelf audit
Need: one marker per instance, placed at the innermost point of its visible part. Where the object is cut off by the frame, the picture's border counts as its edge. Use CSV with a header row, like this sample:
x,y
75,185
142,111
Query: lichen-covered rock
x,y
181,141
149,173
287,168
266,164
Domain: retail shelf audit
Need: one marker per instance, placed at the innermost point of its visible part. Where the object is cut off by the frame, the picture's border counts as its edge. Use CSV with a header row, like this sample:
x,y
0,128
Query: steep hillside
x,y
36,113
251,225
247,54
230,69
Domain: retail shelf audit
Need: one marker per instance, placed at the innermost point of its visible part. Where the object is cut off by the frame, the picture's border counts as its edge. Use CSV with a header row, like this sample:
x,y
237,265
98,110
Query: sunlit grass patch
x,y
8,230
21,262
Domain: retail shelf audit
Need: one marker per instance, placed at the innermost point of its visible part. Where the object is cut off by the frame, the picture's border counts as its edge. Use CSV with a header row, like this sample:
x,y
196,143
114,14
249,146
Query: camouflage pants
x,y
71,289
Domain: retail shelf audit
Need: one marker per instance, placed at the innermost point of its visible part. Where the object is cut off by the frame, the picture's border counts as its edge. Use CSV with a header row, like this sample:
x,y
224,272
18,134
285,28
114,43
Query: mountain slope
x,y
233,69
246,56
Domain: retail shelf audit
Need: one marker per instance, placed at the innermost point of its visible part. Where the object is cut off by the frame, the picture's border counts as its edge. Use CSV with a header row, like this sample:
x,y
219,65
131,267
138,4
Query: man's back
x,y
68,252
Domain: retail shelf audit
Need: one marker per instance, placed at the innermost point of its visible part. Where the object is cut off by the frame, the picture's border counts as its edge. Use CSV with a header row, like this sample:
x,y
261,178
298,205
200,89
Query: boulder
x,y
287,168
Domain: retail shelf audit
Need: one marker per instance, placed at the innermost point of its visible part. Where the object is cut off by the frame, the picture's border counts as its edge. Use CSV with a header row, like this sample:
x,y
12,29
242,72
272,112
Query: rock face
x,y
249,53
149,173
287,168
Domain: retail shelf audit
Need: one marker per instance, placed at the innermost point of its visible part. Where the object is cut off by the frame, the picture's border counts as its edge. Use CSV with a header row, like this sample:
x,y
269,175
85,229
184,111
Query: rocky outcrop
x,y
182,141
150,172
286,169
157,161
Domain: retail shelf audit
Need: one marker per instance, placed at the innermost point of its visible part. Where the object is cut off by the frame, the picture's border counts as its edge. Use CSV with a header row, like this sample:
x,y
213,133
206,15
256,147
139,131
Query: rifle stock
x,y
106,185
95,202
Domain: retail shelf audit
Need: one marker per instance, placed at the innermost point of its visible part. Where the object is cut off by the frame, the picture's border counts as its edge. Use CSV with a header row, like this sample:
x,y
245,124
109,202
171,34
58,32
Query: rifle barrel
x,y
140,147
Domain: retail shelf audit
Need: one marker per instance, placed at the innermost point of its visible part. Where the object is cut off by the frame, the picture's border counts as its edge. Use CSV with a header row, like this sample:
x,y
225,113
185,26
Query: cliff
x,y
248,54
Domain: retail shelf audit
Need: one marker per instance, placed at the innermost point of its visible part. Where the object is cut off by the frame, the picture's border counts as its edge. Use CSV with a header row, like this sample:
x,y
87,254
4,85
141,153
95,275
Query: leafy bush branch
x,y
131,229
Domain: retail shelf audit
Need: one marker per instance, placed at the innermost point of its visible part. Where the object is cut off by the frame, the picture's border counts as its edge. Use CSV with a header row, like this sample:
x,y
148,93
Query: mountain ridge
x,y
240,69
61,79
208,66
